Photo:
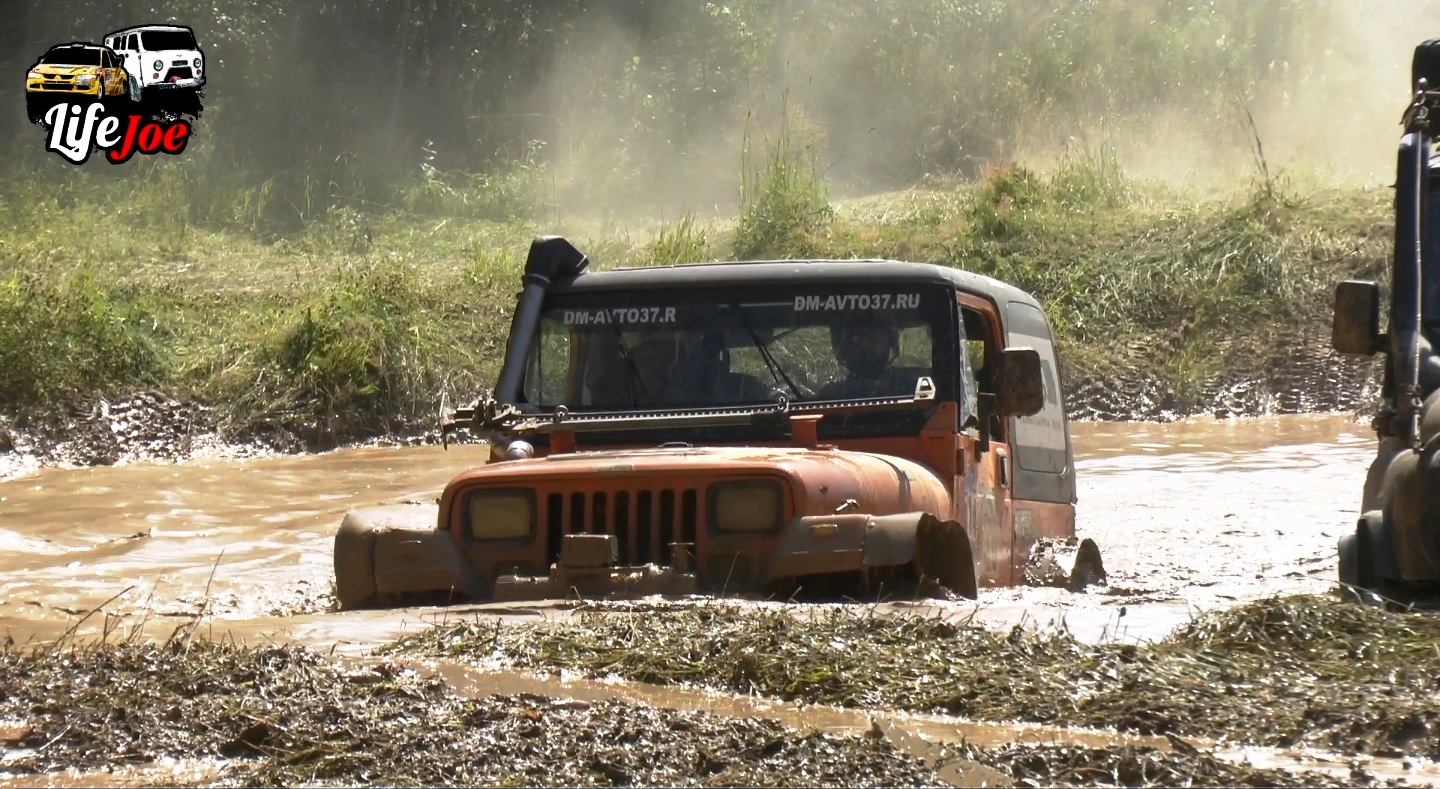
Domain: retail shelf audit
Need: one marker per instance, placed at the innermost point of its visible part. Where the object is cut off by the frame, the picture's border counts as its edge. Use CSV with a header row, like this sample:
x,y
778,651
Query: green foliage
x,y
480,109
683,243
355,248
356,348
71,333
782,195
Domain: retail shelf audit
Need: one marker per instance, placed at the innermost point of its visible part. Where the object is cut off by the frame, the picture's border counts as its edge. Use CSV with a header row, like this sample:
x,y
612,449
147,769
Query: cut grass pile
x,y
1284,671
286,715
283,716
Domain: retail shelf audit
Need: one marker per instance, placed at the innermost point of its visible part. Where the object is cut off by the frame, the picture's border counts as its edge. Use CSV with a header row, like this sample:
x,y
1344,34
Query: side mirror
x,y
1019,383
1356,327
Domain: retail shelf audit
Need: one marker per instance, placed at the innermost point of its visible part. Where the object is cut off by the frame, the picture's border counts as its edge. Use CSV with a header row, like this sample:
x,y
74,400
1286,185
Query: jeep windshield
x,y
156,40
72,56
674,350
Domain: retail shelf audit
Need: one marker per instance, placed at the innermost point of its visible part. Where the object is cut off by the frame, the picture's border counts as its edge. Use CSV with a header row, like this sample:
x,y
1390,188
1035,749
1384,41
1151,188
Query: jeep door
x,y
127,47
982,485
1044,466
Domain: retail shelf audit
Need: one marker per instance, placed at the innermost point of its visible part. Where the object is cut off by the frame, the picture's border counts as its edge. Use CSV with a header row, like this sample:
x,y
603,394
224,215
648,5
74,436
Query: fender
x,y
817,544
391,551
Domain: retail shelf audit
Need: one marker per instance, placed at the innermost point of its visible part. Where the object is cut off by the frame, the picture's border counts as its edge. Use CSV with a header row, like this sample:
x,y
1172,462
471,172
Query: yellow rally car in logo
x,y
76,72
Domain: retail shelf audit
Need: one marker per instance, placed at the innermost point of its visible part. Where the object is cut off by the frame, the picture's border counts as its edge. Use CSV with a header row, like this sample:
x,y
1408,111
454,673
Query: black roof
x,y
790,272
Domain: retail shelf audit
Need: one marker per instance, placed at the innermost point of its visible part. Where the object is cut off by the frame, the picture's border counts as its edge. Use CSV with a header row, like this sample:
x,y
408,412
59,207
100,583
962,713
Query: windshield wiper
x,y
776,371
634,378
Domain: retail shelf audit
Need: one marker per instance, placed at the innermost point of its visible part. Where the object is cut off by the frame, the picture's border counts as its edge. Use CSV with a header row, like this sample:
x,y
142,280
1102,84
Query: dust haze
x,y
1321,105
643,108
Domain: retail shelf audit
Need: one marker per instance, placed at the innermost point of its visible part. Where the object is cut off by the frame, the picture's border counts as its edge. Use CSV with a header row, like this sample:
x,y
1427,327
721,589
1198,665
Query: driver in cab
x,y
867,346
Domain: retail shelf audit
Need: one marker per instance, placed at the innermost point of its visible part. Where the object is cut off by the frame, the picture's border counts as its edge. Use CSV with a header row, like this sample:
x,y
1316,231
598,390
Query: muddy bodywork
x,y
1394,551
946,484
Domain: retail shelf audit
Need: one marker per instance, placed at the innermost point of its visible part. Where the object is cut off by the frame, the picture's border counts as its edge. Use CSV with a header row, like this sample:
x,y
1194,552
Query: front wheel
x,y
35,107
1357,583
134,90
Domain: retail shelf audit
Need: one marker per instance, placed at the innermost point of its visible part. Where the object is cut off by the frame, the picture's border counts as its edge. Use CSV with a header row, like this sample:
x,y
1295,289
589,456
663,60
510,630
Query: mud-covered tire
x,y
1089,568
133,89
1357,584
943,557
1426,64
354,565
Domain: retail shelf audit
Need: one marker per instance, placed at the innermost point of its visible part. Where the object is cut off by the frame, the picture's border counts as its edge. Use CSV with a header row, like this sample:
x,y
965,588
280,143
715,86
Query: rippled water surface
x,y
1190,515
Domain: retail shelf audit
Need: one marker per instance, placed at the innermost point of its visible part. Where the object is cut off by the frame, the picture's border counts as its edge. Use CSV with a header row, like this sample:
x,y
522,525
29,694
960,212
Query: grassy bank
x,y
361,320
1286,671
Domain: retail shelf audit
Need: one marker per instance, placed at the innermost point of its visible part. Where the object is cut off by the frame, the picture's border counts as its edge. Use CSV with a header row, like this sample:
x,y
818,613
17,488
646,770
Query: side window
x,y
547,369
979,340
133,42
1041,436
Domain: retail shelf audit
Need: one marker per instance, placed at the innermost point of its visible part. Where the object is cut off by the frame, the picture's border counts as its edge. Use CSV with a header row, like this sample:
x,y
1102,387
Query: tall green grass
x,y
365,316
783,196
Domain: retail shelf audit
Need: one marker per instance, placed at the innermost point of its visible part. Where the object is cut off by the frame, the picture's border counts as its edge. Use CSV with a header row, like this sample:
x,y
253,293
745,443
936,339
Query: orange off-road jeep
x,y
757,428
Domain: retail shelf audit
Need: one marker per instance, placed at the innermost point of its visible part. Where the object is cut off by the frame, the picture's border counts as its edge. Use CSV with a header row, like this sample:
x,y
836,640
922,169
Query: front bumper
x,y
37,88
194,83
587,567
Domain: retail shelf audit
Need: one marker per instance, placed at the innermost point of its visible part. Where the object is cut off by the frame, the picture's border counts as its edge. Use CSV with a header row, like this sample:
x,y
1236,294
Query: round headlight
x,y
196,62
751,505
157,64
500,514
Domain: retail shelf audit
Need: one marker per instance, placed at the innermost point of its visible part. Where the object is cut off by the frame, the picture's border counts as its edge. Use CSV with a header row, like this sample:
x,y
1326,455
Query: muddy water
x,y
1190,516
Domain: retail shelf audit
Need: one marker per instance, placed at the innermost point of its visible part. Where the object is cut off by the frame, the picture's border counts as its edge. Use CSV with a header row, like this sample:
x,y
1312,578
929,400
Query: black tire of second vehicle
x,y
1426,64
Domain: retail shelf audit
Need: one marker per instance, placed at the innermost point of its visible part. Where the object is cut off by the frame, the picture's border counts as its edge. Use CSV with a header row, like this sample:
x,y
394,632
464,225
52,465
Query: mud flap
x,y
943,556
1048,557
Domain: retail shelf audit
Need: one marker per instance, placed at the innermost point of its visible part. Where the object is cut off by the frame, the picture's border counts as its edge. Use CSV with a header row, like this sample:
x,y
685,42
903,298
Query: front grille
x,y
178,63
644,521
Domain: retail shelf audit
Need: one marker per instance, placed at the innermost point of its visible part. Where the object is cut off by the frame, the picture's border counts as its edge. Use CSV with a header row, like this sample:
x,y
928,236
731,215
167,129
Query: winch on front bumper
x,y
588,568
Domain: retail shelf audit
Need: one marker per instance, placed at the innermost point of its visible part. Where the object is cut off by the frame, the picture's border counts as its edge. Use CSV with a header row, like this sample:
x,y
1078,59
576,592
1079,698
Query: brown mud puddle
x,y
1190,516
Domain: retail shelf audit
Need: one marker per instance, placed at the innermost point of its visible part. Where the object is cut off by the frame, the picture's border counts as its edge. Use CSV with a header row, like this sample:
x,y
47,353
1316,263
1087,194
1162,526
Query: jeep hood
x,y
68,71
824,478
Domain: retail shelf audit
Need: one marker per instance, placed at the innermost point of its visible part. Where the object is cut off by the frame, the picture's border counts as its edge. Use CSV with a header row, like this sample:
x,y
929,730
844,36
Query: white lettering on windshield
x,y
858,301
625,315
